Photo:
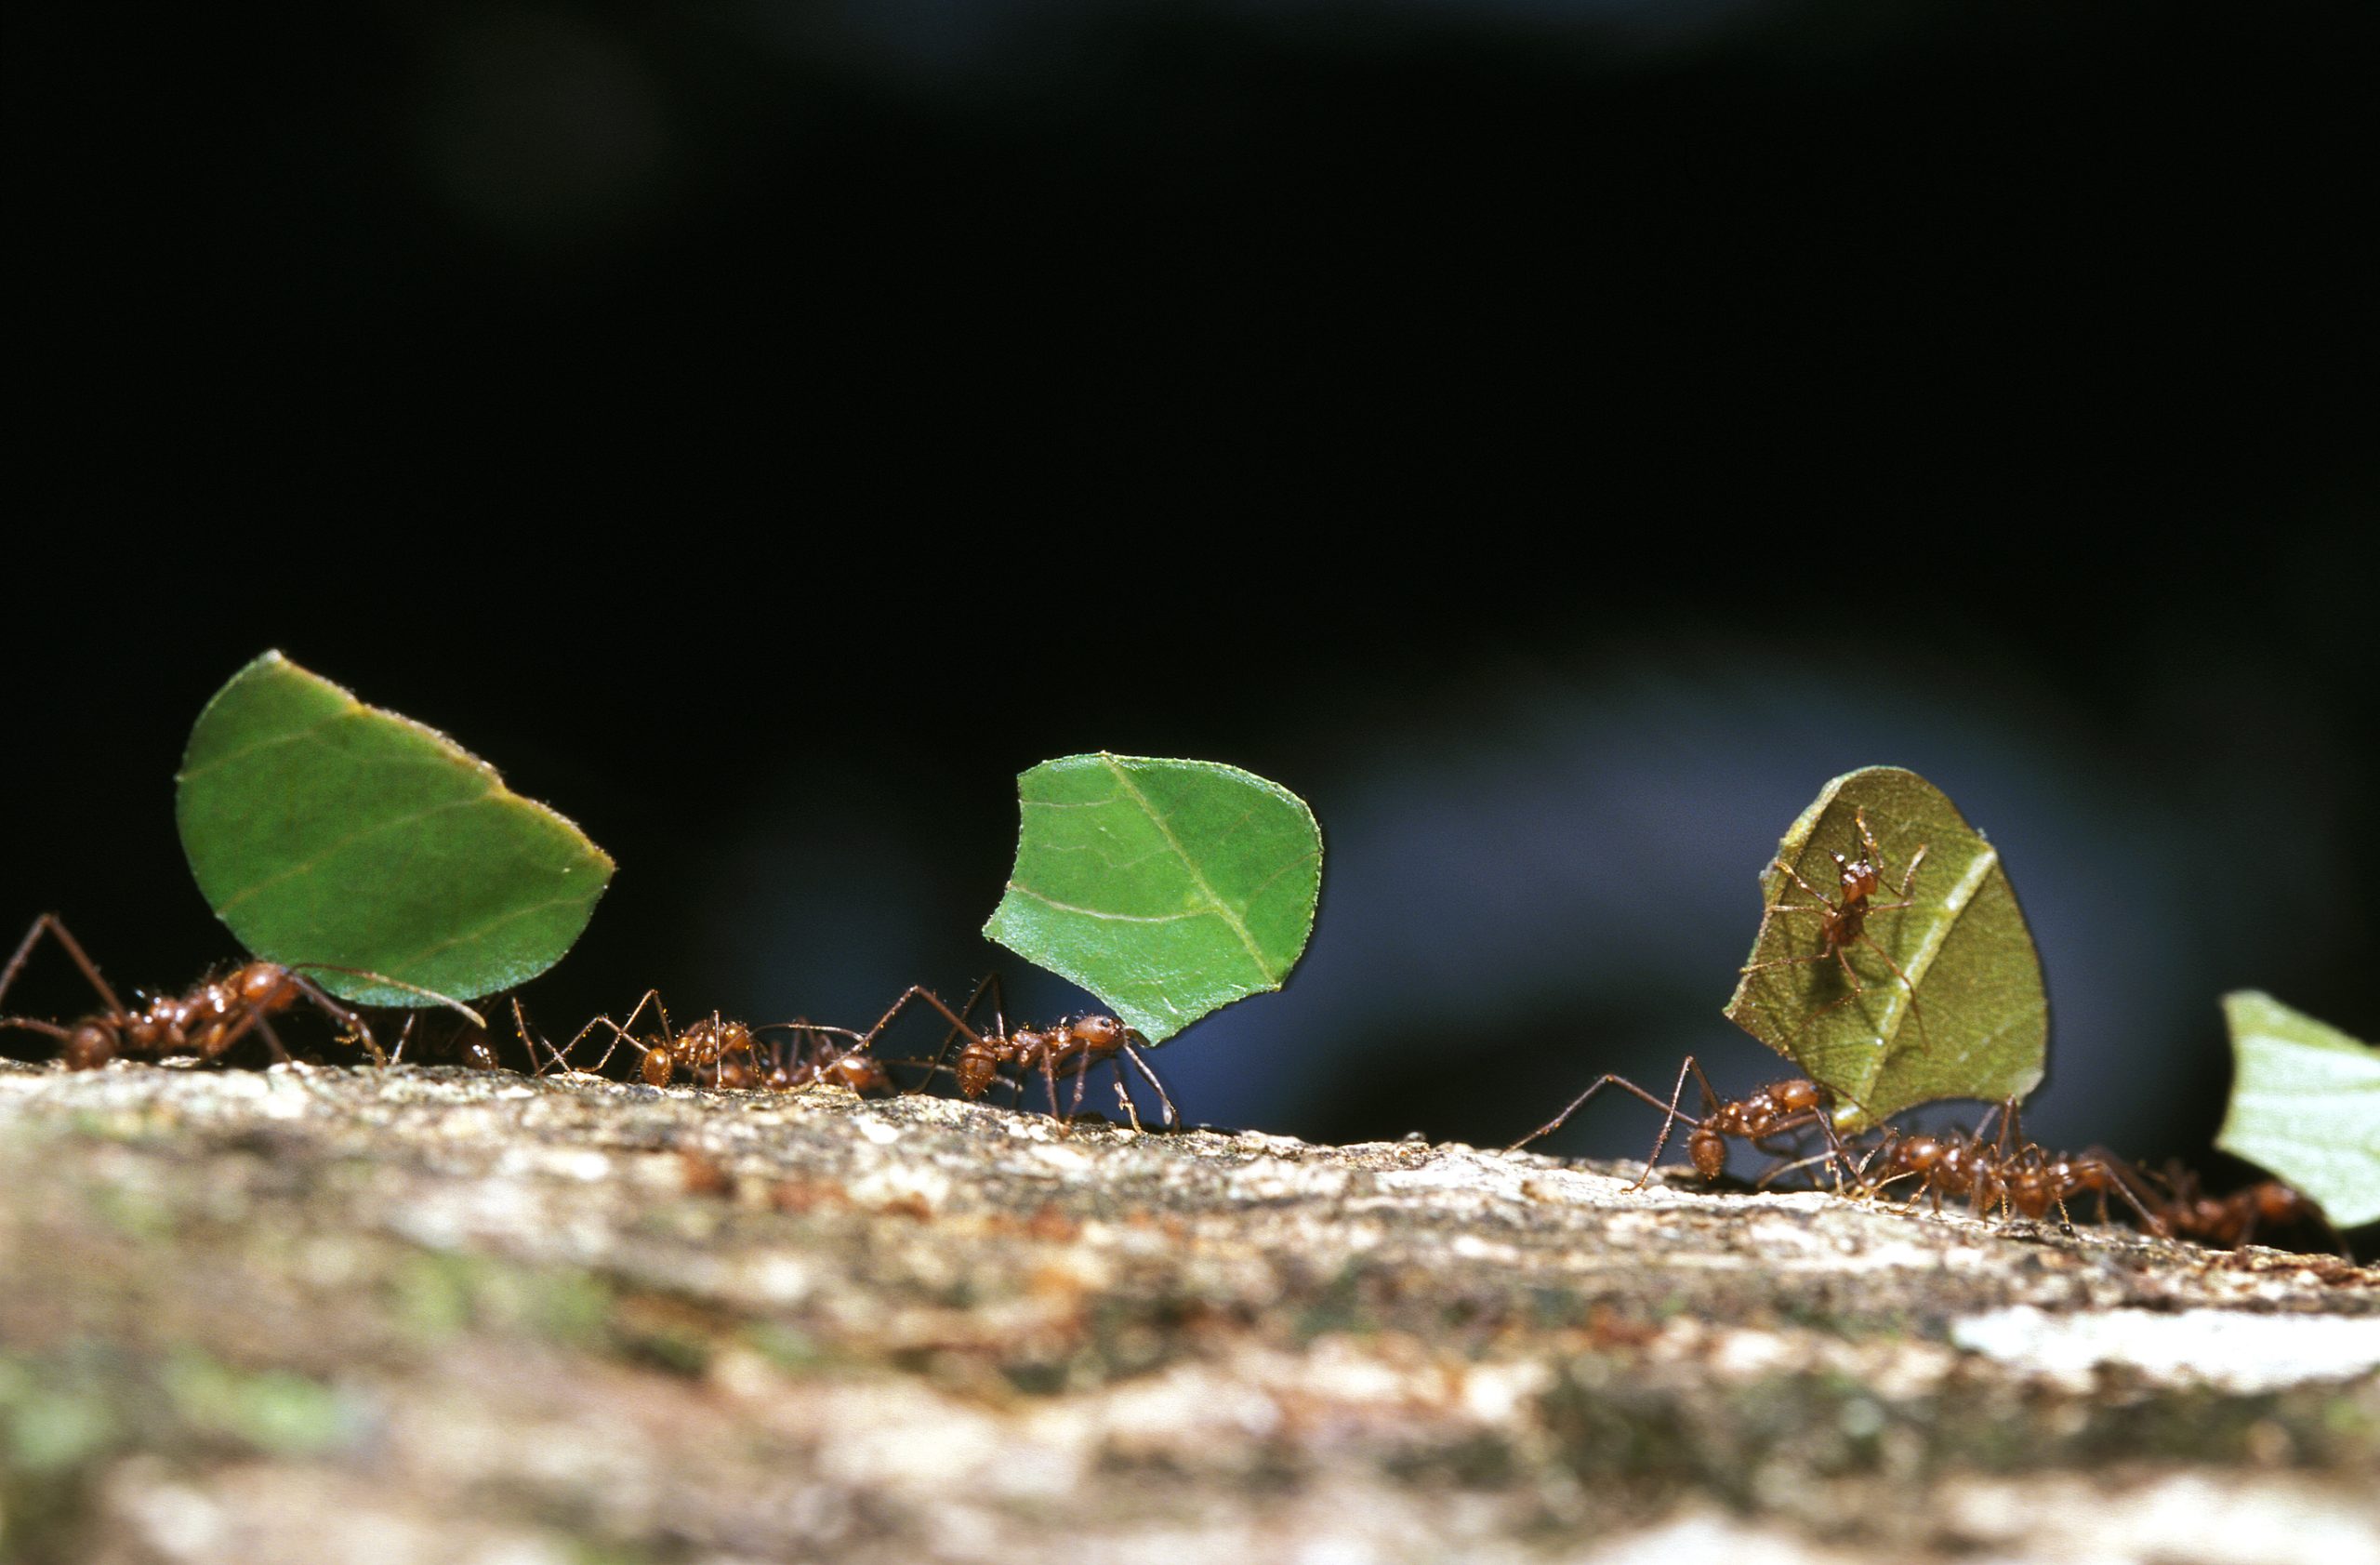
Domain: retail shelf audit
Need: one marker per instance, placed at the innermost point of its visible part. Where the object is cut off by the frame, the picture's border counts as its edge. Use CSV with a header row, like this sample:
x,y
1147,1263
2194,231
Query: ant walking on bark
x,y
810,1054
1769,1111
1068,1048
715,1051
2188,1212
2006,1175
206,1021
1842,920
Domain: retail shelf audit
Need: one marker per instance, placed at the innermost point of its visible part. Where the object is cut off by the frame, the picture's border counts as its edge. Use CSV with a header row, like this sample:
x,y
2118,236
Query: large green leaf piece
x,y
327,832
1948,1000
1167,888
2305,1104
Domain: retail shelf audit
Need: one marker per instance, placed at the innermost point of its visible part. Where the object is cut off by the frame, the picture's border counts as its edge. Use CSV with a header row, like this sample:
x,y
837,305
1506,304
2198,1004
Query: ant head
x,y
1918,1154
1799,1095
1104,1034
266,986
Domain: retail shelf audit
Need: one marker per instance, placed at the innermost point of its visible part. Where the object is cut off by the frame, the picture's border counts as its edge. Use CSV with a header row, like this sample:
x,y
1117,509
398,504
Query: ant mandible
x,y
1843,921
206,1022
1768,1111
1067,1048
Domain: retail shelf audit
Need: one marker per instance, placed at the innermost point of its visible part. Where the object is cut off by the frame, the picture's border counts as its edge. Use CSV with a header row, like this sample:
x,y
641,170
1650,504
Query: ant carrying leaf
x,y
1893,964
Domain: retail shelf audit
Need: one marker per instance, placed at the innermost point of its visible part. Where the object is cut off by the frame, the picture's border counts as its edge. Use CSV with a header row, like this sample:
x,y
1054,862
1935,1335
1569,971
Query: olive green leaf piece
x,y
2305,1106
325,832
1947,1000
1167,888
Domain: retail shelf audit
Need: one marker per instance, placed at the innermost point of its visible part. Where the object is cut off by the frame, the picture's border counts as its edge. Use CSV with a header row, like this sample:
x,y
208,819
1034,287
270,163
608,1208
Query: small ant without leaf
x,y
2231,1221
1769,1111
206,1022
810,1054
719,1053
1067,1048
1843,922
2006,1175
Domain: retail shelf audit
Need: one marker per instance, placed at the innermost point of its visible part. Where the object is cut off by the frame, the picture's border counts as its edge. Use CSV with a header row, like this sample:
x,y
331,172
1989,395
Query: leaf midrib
x,y
1222,909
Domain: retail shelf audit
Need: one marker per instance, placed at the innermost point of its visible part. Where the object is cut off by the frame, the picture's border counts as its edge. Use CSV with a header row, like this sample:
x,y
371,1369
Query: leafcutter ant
x,y
2005,1175
2188,1212
206,1021
1770,1112
715,1051
1067,1048
1842,920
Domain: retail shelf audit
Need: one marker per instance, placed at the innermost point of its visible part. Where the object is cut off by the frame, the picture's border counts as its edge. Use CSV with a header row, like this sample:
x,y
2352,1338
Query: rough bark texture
x,y
313,1315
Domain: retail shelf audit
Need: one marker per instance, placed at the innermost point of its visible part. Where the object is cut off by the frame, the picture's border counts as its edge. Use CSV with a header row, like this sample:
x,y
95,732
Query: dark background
x,y
1555,439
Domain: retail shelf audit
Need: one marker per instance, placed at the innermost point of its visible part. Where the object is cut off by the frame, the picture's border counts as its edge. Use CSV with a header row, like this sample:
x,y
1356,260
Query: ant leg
x,y
1131,1111
397,1056
1827,955
1669,1116
49,923
2149,1219
1049,1080
919,991
1832,1154
619,1035
1608,1079
273,1041
1173,1119
30,1023
355,1023
554,1056
1916,1010
990,985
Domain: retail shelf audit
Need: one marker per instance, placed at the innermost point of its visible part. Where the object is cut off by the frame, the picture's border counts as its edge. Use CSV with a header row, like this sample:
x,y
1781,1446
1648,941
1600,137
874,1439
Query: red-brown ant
x,y
1769,1111
1843,921
206,1021
1067,1048
2188,1212
812,1053
716,1052
2005,1175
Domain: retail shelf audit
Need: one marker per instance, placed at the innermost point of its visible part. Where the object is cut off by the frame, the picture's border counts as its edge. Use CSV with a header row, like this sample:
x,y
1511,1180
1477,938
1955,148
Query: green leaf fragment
x,y
330,834
1167,888
2305,1106
1948,1000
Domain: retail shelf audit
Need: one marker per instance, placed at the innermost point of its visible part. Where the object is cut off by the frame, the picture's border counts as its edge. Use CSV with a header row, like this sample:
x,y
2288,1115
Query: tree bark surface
x,y
425,1315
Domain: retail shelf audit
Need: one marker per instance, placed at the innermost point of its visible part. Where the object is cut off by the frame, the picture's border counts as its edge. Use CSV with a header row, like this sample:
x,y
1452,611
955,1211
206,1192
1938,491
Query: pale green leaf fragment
x,y
1941,998
1167,888
331,835
2305,1106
